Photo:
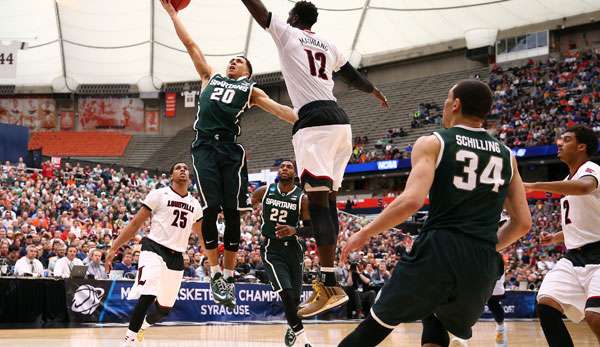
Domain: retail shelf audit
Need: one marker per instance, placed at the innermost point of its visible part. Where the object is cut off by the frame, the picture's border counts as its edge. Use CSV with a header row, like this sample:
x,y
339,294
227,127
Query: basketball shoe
x,y
218,287
501,336
230,301
323,299
458,342
290,337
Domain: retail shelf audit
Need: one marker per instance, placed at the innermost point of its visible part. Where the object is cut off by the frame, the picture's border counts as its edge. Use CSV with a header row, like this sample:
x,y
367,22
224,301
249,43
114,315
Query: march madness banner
x,y
106,302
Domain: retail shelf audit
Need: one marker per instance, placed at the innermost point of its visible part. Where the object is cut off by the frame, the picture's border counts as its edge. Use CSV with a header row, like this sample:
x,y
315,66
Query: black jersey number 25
x,y
180,219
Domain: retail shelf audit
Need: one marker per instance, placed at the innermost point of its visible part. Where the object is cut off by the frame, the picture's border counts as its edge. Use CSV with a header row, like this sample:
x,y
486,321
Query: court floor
x,y
521,334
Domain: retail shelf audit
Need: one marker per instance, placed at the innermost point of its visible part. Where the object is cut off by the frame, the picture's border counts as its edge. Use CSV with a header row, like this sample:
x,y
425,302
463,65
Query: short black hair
x,y
586,136
307,13
475,97
248,63
173,166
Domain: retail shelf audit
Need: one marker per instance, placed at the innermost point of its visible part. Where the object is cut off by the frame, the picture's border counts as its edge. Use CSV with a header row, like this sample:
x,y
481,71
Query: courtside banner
x,y
516,304
106,302
85,299
255,302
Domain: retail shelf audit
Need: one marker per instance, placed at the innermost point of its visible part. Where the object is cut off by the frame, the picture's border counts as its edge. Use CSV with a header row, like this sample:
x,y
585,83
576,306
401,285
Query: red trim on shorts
x,y
594,297
306,172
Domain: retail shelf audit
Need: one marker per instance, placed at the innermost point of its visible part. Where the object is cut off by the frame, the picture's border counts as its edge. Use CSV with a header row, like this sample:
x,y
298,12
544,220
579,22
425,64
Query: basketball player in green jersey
x,y
453,266
220,162
283,205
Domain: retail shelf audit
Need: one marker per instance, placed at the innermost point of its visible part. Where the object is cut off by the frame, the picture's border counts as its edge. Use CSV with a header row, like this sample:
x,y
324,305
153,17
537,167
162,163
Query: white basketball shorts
x,y
575,288
322,153
154,278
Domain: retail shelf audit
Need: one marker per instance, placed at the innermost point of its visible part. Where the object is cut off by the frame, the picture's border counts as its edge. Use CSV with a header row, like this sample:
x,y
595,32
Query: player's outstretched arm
x,y
262,100
127,234
357,80
582,186
258,10
423,160
204,70
517,208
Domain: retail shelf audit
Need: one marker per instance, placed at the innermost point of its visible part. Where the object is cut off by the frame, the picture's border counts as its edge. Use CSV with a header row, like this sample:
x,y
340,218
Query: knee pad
x,y
434,332
209,228
323,227
231,239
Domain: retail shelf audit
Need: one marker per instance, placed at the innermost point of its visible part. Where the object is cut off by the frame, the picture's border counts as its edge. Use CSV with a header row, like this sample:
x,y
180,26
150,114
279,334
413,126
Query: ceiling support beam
x,y
61,45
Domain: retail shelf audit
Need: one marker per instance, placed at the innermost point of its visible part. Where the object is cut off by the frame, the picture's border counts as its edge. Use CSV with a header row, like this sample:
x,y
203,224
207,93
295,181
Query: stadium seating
x,y
80,144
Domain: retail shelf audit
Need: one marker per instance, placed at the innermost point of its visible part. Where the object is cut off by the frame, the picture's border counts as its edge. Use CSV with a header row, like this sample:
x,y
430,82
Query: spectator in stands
x,y
95,267
188,271
65,264
361,295
28,265
11,259
126,264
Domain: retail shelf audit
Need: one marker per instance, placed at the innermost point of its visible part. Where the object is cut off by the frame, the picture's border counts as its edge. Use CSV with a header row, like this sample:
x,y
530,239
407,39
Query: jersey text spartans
x,y
280,208
220,105
471,180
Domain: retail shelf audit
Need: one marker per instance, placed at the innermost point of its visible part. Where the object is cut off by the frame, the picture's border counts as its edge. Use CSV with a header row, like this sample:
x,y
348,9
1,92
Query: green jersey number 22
x,y
492,174
278,216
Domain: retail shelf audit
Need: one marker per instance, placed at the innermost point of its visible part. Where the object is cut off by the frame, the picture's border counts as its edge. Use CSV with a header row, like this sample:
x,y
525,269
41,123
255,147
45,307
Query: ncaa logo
x,y
86,299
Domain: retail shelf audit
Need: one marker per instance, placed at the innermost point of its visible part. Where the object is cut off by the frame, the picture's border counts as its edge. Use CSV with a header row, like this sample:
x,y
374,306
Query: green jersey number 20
x,y
223,95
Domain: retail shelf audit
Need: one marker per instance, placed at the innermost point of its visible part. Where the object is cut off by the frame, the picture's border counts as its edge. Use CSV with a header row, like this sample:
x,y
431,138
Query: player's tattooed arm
x,y
262,100
582,186
204,70
258,194
517,208
258,10
127,234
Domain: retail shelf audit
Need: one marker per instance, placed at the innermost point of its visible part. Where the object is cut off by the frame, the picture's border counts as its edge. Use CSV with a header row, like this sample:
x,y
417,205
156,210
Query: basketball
x,y
180,4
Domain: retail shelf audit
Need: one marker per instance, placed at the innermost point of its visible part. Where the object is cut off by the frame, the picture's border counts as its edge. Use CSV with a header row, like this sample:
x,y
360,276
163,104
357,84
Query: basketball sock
x,y
500,326
214,270
290,307
328,276
227,273
302,334
157,313
139,312
496,309
145,325
553,326
368,333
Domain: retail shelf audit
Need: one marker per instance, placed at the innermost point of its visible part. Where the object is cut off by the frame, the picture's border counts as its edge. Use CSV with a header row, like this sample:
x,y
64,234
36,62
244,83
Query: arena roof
x,y
114,41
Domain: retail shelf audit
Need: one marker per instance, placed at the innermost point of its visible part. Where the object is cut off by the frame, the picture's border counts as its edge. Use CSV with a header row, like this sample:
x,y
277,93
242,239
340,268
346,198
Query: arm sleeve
x,y
152,200
355,78
278,29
